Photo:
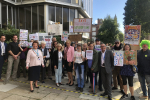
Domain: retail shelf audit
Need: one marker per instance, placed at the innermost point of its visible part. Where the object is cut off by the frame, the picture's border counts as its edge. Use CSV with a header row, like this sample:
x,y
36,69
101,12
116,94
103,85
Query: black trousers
x,y
23,65
1,64
43,70
100,81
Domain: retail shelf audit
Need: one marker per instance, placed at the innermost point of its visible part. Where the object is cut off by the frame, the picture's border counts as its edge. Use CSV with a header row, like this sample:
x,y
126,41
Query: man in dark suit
x,y
3,53
106,65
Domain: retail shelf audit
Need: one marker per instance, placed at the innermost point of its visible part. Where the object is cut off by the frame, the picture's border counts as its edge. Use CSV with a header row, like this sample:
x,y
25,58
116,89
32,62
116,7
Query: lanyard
x,y
37,53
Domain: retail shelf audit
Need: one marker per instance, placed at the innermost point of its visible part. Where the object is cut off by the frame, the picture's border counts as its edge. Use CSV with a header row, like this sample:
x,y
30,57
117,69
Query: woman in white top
x,y
79,57
33,63
58,64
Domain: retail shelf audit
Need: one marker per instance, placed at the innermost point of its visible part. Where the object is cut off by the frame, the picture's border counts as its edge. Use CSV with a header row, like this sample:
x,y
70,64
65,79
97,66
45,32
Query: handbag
x,y
134,68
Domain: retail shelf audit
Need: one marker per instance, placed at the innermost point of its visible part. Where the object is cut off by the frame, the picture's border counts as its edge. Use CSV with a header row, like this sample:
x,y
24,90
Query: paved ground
x,y
19,90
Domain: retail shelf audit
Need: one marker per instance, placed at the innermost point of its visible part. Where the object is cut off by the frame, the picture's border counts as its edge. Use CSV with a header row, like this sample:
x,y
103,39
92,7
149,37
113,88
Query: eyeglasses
x,y
117,43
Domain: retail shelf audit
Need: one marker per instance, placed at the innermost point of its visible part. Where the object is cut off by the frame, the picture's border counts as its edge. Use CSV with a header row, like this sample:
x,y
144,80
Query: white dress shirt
x,y
103,58
2,48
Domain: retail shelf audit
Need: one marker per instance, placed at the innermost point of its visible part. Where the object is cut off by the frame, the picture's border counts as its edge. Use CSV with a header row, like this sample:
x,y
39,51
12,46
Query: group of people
x,y
40,62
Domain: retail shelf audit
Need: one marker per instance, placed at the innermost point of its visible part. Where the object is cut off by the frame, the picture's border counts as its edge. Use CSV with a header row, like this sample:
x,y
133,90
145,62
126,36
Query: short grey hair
x,y
103,43
43,42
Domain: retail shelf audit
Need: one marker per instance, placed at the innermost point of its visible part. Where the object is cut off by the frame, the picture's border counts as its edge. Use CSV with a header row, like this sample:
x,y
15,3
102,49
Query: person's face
x,y
103,47
91,47
107,44
79,47
117,44
55,44
54,39
15,38
32,41
3,38
145,47
35,46
98,42
67,44
127,48
84,46
43,45
73,45
58,47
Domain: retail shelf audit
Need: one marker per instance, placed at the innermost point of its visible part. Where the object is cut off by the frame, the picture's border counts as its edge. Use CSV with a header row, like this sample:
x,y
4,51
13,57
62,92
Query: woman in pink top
x,y
69,54
33,63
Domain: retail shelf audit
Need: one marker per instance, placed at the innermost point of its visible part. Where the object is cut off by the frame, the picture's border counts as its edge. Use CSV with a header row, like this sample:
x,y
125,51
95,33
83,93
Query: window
x,y
51,13
93,28
28,18
72,16
21,18
68,1
34,18
4,16
9,15
93,33
66,19
75,1
41,18
59,14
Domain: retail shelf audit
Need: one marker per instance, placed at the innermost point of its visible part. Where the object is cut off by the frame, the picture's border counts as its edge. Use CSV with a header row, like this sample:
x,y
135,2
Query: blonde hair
x,y
43,42
60,46
68,41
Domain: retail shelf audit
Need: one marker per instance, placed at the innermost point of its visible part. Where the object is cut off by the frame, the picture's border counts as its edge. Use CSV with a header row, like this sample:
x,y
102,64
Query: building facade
x,y
35,15
95,29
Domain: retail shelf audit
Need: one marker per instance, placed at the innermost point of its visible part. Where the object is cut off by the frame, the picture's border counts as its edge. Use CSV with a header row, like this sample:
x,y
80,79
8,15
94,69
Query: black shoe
x,y
122,92
61,84
114,88
76,85
31,90
104,94
71,84
68,83
43,81
35,86
100,89
77,88
109,98
81,89
132,98
89,86
124,96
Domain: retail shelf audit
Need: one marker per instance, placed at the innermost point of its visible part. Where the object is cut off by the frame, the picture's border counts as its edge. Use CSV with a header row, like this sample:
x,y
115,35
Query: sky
x,y
102,8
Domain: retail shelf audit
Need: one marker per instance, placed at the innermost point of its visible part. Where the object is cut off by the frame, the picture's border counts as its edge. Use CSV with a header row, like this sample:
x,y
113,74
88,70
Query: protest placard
x,y
89,54
118,58
64,36
23,34
75,37
83,25
98,48
33,36
55,29
130,56
132,34
24,43
48,42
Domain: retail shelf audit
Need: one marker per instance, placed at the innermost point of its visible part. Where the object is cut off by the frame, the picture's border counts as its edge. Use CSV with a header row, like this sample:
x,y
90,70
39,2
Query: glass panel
x,y
75,1
72,16
66,19
93,33
59,14
9,15
41,18
14,23
28,18
17,18
93,28
34,19
21,18
4,16
51,13
68,1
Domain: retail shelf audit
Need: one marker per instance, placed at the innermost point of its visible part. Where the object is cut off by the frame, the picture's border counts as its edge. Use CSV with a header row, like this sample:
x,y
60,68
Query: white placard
x,y
64,36
33,36
98,48
89,54
56,29
23,34
48,42
82,25
118,58
24,43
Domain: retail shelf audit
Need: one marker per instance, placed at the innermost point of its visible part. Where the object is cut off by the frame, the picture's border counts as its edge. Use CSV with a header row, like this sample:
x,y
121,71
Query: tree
x,y
121,36
109,30
9,31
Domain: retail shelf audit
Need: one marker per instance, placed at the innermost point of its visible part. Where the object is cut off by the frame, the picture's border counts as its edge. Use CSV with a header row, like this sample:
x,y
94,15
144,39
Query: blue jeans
x,y
58,72
80,77
142,79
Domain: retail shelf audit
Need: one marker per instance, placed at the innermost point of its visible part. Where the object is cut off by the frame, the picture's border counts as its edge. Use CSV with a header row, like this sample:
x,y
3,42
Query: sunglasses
x,y
117,43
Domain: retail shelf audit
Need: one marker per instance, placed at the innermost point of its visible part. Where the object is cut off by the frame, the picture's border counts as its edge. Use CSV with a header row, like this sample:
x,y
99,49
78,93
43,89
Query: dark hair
x,y
91,43
14,35
54,43
35,42
2,35
125,46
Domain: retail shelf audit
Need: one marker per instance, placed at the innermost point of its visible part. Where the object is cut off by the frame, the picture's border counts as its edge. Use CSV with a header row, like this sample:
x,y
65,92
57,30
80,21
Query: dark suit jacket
x,y
109,61
55,58
6,52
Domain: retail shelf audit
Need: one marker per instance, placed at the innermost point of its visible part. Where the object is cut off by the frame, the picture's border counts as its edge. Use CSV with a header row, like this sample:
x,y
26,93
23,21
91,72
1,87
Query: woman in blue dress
x,y
127,73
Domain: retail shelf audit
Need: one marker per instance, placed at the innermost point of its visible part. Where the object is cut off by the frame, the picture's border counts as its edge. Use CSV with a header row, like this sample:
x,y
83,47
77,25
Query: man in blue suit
x,y
3,53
